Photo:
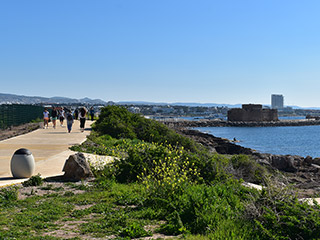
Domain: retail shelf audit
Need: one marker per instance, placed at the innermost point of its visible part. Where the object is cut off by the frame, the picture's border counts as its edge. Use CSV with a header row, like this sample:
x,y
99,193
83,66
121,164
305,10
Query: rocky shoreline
x,y
304,172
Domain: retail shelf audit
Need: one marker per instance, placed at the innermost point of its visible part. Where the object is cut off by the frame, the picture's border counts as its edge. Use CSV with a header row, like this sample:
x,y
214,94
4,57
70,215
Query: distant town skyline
x,y
226,52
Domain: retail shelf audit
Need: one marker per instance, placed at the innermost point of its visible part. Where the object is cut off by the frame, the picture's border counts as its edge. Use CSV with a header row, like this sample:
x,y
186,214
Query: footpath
x,y
49,147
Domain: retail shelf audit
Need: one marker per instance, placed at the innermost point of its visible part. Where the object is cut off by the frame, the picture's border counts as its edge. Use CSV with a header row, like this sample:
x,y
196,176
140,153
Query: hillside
x,y
20,99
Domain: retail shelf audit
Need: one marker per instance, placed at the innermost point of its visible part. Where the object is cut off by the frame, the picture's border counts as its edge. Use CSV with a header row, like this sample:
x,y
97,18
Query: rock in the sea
x,y
76,167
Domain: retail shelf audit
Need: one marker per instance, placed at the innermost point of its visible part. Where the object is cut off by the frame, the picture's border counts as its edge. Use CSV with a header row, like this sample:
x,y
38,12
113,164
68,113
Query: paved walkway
x,y
50,149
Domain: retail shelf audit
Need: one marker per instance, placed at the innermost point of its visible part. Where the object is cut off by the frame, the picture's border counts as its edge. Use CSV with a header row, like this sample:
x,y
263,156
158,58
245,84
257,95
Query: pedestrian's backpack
x,y
69,117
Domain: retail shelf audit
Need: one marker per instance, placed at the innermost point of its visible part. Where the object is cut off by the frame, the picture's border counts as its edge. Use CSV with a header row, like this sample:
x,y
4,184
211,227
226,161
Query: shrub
x,y
139,157
133,157
143,158
278,214
212,167
248,169
8,195
118,122
170,175
155,143
201,209
33,181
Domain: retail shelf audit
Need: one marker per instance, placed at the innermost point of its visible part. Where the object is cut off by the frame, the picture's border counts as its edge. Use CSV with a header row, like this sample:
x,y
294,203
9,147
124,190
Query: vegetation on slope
x,y
159,176
118,122
198,192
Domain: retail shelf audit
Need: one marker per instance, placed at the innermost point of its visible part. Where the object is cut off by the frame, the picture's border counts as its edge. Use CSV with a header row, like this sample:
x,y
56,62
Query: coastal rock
x,y
76,167
316,161
263,162
216,144
308,161
284,163
262,156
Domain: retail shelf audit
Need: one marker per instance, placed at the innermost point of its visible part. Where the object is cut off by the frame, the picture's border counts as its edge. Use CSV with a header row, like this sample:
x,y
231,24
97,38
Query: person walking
x,y
82,116
69,121
45,118
61,116
76,114
91,113
54,115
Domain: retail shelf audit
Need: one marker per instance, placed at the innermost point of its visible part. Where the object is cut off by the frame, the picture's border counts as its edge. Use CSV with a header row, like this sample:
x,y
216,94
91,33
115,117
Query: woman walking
x,y
54,115
76,114
69,121
61,117
82,116
45,118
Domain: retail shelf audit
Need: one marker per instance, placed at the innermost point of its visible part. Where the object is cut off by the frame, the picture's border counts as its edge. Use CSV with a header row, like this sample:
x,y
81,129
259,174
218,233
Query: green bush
x,y
118,122
133,156
201,209
248,169
143,158
169,176
33,181
152,141
212,167
8,195
278,214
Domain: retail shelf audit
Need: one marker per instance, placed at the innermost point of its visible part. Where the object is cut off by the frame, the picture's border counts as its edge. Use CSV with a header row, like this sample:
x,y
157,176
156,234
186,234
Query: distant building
x,y
134,109
276,101
252,112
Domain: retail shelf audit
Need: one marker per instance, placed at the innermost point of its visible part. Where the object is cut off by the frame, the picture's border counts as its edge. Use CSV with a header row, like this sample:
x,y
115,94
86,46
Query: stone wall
x,y
270,115
252,113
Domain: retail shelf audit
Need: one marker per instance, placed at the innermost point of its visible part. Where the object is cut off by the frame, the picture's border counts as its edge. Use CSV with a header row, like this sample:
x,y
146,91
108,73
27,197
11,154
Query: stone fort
x,y
252,112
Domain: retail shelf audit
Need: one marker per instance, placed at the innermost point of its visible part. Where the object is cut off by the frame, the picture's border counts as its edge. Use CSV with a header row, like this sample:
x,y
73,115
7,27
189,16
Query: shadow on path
x,y
8,178
57,132
59,178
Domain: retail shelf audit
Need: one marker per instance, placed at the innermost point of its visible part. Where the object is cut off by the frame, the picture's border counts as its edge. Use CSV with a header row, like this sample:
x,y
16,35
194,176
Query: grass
x,y
97,212
104,209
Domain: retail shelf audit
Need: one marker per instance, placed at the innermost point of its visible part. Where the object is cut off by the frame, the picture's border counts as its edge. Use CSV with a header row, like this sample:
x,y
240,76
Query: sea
x,y
293,140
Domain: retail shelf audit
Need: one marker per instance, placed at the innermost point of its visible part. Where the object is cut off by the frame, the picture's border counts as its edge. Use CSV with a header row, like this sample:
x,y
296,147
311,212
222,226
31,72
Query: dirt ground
x,y
18,130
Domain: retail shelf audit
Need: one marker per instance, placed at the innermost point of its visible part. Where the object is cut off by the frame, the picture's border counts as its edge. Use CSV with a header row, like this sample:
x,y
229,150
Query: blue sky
x,y
207,51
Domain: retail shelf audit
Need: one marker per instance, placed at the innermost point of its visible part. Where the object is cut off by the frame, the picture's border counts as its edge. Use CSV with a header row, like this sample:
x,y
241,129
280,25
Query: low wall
x,y
222,123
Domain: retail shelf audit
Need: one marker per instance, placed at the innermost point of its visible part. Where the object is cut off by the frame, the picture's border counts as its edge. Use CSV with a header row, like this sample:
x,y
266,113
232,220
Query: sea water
x,y
298,140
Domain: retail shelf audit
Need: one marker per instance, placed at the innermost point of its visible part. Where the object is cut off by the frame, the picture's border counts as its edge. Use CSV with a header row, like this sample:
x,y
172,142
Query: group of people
x,y
65,113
